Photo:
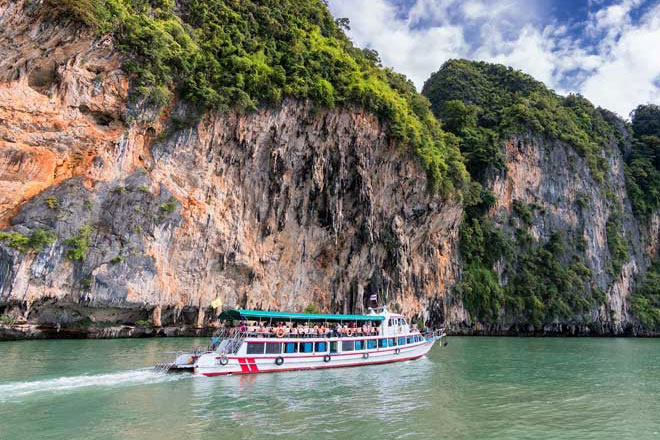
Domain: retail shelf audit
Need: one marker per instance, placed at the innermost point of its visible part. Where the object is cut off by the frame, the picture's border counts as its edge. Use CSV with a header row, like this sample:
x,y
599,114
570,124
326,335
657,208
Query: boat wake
x,y
13,390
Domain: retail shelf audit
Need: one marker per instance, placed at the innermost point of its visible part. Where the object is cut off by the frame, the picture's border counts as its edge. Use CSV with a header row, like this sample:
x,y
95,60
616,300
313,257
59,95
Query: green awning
x,y
238,314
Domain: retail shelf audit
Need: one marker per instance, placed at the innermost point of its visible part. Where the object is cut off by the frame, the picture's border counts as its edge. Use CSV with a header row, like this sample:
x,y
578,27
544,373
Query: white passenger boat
x,y
266,342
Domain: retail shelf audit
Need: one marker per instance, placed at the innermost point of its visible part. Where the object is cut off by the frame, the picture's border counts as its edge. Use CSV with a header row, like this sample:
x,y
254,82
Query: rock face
x,y
158,214
279,208
555,181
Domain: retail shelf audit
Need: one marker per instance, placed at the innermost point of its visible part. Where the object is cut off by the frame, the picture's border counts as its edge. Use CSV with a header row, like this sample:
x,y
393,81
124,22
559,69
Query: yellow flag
x,y
217,303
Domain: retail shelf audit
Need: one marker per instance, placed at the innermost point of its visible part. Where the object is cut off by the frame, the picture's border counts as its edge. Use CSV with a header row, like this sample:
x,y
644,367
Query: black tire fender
x,y
397,351
279,360
365,355
223,360
326,358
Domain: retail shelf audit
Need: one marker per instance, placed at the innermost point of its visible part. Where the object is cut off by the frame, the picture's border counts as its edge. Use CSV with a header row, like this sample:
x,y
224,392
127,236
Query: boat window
x,y
401,341
291,347
347,346
273,348
333,346
411,340
371,343
321,347
306,347
391,343
382,343
359,345
255,348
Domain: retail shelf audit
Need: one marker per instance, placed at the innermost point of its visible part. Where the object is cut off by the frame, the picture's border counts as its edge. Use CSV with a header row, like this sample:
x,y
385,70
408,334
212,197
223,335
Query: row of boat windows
x,y
332,346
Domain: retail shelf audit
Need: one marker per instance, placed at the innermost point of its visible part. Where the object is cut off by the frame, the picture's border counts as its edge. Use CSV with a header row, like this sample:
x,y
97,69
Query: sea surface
x,y
475,388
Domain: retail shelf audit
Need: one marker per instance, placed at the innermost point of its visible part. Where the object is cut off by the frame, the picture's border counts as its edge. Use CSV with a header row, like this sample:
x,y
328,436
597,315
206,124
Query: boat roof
x,y
243,313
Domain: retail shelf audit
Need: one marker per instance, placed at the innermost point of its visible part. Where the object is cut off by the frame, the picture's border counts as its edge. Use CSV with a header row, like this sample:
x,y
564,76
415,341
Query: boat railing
x,y
287,333
229,342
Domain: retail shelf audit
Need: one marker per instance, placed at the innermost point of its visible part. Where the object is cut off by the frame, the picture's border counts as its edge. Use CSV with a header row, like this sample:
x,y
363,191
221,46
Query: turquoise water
x,y
475,388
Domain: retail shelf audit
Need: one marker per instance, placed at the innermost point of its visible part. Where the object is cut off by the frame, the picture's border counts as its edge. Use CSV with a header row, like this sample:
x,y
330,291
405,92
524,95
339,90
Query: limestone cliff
x,y
276,208
116,211
554,246
553,180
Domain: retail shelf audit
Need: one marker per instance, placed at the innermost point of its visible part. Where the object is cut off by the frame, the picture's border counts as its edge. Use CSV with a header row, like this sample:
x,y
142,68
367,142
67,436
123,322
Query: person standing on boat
x,y
215,340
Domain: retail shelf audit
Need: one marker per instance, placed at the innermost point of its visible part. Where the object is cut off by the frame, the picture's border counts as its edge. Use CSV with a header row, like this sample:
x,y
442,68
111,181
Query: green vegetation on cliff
x,y
645,300
503,102
643,161
36,241
509,276
541,283
222,54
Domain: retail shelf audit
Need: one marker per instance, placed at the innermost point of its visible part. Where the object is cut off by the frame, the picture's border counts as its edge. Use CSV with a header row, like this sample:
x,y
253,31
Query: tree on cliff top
x,y
510,102
243,54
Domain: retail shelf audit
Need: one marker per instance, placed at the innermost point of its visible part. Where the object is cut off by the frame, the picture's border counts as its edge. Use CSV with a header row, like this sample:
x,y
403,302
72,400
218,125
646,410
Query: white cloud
x,y
414,52
614,63
629,67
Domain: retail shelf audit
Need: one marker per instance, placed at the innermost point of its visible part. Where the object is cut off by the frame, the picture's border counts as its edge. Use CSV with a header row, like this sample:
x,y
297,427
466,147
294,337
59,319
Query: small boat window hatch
x,y
255,348
273,348
291,347
347,346
321,347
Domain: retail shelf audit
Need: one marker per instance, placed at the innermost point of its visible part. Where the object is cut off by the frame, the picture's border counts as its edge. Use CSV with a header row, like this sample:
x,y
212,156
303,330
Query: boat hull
x,y
209,364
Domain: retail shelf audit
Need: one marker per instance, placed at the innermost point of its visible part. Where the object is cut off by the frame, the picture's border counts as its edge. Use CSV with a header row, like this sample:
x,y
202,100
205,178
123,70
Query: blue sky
x,y
607,50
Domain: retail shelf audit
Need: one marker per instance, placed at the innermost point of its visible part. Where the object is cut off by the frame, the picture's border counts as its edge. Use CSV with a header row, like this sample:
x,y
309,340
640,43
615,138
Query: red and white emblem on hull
x,y
248,365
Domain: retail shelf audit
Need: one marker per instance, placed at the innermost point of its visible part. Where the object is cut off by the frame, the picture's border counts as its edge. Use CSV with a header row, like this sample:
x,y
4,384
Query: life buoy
x,y
279,360
280,332
349,332
223,360
365,355
397,351
326,358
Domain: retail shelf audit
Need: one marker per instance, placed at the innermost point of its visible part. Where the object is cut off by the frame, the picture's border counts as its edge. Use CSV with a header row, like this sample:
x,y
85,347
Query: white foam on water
x,y
13,390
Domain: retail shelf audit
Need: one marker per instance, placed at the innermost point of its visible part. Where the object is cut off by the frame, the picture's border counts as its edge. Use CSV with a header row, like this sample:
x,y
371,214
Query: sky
x,y
607,50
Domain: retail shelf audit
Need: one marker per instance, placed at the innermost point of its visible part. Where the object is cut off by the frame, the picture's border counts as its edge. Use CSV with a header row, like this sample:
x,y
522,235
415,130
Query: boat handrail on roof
x,y
237,314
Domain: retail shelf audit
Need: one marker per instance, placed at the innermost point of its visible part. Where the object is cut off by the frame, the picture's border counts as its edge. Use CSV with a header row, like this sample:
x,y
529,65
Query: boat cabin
x,y
265,333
